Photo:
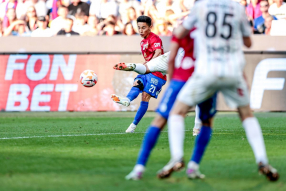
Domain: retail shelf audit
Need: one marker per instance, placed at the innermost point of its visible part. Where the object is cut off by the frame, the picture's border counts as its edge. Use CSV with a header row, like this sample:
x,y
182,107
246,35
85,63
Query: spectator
x,y
1,28
270,2
17,28
172,19
268,24
80,25
67,31
165,5
42,30
152,12
259,21
58,23
278,9
103,8
186,5
11,4
161,28
92,22
130,17
39,5
253,9
31,18
129,30
243,3
109,29
78,6
10,17
125,5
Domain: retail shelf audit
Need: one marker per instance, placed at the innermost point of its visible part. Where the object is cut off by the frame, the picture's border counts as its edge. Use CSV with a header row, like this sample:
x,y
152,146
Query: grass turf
x,y
90,158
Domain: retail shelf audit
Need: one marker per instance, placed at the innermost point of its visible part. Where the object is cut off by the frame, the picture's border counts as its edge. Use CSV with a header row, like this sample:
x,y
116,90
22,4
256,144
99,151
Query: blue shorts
x,y
152,84
207,108
169,98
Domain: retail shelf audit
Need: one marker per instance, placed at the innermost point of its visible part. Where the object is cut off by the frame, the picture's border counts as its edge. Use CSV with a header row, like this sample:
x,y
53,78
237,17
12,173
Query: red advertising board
x,y
42,82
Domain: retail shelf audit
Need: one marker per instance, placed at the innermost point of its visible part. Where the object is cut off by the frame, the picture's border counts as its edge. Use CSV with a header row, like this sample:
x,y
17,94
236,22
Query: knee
x,y
146,97
245,112
138,84
208,122
159,121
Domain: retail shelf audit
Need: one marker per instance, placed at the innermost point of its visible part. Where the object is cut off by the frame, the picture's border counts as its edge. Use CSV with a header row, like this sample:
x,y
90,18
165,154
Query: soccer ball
x,y
88,78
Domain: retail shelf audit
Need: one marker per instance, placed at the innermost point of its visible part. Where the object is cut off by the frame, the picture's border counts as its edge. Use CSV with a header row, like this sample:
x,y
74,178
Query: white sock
x,y
255,139
193,165
198,122
140,69
176,131
139,168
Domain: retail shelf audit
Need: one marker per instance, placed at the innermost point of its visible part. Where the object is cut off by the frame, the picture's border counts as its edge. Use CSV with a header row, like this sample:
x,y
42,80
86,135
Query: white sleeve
x,y
190,22
244,24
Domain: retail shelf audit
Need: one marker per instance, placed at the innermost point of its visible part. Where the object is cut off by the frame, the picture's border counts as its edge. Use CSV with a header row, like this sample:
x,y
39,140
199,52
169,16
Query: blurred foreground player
x,y
222,30
150,84
179,73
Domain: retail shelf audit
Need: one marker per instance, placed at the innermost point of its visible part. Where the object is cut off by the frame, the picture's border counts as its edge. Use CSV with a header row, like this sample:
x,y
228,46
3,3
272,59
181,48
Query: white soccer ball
x,y
88,78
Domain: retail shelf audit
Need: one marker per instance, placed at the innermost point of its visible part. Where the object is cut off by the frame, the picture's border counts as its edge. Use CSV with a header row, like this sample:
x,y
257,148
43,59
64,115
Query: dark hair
x,y
80,15
264,1
144,19
62,6
125,27
110,23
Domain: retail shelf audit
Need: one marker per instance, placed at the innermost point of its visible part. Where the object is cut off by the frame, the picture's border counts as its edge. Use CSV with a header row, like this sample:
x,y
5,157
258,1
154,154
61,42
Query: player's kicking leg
x,y
159,64
137,88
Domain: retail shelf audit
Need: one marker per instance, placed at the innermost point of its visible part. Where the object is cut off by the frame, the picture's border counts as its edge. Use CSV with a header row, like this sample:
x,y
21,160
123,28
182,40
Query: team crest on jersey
x,y
145,46
156,45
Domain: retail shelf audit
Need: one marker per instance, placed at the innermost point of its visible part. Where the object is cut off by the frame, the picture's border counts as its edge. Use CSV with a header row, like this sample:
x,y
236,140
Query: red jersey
x,y
148,47
186,68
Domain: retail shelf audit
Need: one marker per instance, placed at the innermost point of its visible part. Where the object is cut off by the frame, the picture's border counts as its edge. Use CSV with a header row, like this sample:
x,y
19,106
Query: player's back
x,y
221,25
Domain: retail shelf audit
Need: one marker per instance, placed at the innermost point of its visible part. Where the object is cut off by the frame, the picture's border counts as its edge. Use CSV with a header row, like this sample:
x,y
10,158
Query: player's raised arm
x,y
171,63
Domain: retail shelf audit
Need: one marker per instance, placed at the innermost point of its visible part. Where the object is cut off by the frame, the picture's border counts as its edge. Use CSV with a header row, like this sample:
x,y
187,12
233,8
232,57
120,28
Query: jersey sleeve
x,y
174,39
244,24
190,22
156,43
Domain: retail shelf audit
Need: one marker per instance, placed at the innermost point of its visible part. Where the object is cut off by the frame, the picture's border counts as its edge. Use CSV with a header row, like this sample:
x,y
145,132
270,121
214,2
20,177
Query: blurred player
x,y
179,73
222,30
149,84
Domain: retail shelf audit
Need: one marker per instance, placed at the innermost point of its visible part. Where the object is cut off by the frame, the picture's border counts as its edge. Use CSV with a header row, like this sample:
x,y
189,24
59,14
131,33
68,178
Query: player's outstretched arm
x,y
173,54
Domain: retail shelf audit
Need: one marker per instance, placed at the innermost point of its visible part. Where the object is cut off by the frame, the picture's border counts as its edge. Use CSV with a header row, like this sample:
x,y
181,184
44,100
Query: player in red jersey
x,y
150,84
179,73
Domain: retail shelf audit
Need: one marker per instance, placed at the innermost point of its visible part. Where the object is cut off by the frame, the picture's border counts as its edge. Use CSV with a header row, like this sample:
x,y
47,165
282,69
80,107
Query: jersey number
x,y
152,89
211,22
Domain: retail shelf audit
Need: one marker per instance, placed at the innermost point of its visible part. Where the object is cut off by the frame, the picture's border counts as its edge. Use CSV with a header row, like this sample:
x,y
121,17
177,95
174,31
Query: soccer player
x,y
179,73
149,84
222,30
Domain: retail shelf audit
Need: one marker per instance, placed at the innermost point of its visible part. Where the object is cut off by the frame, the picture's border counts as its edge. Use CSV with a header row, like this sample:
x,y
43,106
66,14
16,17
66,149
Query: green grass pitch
x,y
89,151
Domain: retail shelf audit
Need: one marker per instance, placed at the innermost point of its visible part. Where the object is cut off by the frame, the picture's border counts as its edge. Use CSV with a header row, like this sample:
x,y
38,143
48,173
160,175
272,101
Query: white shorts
x,y
160,64
198,89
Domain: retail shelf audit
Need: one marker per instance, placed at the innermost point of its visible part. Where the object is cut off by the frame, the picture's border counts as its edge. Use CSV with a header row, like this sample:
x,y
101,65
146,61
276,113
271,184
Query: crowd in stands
x,y
45,18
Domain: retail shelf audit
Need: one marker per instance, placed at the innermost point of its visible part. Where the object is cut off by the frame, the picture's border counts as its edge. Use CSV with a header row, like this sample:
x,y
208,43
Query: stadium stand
x,y
20,17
